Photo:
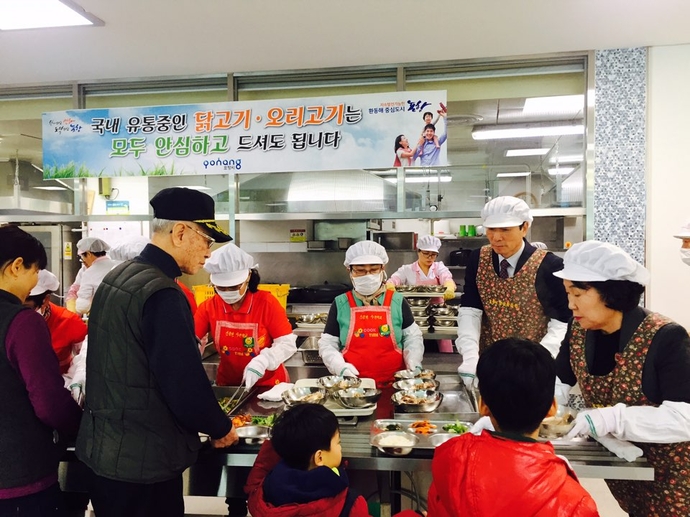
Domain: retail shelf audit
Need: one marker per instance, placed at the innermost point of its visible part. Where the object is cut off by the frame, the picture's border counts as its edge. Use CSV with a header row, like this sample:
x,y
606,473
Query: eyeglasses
x,y
83,255
363,270
428,254
210,241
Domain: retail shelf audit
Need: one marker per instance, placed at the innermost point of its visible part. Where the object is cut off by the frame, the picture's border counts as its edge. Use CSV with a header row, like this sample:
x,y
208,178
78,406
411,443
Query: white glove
x,y
596,422
467,378
329,350
555,333
413,346
77,391
621,448
467,343
481,424
255,370
561,392
282,349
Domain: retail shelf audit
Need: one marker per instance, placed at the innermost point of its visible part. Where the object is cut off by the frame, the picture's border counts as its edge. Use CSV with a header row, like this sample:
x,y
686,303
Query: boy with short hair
x,y
507,471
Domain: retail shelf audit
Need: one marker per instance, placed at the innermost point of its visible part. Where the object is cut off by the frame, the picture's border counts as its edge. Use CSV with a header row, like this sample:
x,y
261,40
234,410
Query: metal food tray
x,y
426,441
455,405
335,406
240,394
310,354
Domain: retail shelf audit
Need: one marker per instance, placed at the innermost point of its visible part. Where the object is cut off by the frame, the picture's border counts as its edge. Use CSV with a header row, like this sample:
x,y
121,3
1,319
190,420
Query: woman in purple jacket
x,y
36,411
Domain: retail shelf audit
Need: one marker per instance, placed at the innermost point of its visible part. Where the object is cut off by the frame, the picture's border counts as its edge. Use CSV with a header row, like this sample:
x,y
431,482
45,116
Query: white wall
x,y
668,173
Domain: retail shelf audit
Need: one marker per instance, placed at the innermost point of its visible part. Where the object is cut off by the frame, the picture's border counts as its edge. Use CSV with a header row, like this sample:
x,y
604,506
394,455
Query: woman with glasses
x,y
426,271
370,331
92,253
249,327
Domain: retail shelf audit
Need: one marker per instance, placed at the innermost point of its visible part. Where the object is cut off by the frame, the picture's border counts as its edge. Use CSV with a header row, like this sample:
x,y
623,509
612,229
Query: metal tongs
x,y
239,388
471,397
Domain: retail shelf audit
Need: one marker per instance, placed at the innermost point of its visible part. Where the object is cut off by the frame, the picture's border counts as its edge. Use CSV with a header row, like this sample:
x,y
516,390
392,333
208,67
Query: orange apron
x,y
371,345
237,343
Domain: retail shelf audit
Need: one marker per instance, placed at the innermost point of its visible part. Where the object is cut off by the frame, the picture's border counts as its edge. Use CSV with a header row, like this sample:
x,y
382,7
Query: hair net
x,y
684,232
429,243
229,266
365,252
92,244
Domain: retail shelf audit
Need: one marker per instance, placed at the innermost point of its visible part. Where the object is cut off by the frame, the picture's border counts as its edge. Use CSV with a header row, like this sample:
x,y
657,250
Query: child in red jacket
x,y
507,471
297,472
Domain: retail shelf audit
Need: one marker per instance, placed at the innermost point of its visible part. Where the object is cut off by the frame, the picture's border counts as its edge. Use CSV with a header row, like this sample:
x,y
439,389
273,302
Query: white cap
x,y
684,232
47,281
92,244
365,252
594,261
129,249
505,212
429,243
229,266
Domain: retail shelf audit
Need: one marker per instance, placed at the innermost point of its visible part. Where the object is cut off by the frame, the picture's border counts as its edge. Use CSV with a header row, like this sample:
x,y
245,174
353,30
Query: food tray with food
x,y
415,294
426,434
455,405
334,406
231,398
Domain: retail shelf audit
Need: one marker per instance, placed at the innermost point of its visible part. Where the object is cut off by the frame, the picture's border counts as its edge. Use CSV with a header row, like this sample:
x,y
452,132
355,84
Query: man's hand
x,y
226,441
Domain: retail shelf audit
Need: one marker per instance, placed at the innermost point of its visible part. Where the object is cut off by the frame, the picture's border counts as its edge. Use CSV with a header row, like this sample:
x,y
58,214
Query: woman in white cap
x,y
249,327
509,288
426,271
684,234
633,365
370,331
92,253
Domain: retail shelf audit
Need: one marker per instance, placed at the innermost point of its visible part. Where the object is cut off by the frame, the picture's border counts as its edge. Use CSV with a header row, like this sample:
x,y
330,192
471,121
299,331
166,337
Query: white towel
x,y
274,394
620,448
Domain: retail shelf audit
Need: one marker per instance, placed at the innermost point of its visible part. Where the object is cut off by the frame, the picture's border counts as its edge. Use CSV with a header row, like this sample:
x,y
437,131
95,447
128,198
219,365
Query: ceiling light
x,y
421,179
554,104
525,132
528,152
49,188
38,14
512,174
566,158
561,171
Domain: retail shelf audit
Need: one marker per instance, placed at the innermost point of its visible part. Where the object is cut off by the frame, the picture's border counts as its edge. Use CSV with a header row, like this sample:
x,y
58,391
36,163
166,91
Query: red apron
x,y
371,344
444,345
237,343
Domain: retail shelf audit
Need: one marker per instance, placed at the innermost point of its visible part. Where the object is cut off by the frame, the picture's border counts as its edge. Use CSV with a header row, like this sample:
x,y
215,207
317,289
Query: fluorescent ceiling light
x,y
49,188
422,179
554,105
561,171
567,158
39,14
512,174
528,152
526,132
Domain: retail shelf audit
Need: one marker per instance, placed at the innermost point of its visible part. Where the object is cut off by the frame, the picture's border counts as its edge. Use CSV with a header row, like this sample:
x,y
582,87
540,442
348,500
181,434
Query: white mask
x,y
368,284
231,297
685,255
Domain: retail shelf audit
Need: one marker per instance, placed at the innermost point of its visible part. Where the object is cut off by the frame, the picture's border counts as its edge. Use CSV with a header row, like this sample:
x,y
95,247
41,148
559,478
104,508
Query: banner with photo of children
x,y
371,131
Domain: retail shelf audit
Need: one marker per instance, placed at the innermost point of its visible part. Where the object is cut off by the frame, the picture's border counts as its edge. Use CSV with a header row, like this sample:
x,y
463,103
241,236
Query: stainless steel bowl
x,y
395,443
253,434
447,322
416,384
304,395
405,288
422,322
355,398
440,438
415,374
333,383
435,289
444,311
419,312
559,425
418,302
427,400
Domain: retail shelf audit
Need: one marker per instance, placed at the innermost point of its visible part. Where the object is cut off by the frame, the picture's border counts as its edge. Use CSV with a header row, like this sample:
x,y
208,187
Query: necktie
x,y
504,269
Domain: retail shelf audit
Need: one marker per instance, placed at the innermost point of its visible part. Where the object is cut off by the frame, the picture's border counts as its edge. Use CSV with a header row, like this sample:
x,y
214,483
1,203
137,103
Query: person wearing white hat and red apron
x,y
370,331
510,290
249,327
633,368
426,271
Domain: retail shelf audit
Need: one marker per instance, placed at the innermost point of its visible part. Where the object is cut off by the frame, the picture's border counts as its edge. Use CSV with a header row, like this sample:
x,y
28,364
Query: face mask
x,y
368,284
685,255
232,296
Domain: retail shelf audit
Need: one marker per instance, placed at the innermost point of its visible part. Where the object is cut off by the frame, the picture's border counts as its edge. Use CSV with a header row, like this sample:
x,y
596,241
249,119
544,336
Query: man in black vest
x,y
148,396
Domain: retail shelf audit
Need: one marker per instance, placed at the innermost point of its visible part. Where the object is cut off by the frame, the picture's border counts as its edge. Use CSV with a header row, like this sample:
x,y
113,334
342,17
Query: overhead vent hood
x,y
22,191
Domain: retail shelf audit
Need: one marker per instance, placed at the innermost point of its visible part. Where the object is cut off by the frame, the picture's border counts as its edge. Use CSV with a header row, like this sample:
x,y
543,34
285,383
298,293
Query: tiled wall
x,y
620,143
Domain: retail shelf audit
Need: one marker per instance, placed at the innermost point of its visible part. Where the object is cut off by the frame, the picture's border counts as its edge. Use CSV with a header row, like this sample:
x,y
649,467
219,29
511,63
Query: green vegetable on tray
x,y
264,420
456,427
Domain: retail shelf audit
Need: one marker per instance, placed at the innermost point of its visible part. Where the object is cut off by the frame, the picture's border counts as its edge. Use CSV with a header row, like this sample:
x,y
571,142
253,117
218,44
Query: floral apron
x,y
444,345
511,305
669,494
371,345
237,343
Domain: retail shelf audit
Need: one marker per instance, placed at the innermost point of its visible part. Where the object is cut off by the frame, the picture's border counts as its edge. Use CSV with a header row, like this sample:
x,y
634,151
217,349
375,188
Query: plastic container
x,y
202,293
280,291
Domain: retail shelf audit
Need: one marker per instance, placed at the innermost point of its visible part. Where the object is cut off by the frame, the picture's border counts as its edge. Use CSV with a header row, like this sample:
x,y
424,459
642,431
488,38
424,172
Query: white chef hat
x,y
429,243
229,266
684,232
365,252
47,281
505,212
594,261
92,244
129,249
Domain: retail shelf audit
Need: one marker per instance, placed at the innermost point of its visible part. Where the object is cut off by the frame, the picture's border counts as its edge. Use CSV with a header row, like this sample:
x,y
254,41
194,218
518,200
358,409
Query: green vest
x,y
27,449
128,433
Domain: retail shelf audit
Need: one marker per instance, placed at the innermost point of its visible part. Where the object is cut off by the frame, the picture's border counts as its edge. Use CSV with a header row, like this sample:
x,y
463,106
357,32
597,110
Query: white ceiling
x,y
155,38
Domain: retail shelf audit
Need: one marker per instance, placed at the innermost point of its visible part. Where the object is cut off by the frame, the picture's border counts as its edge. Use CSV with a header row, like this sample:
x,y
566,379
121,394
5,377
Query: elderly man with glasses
x,y
370,331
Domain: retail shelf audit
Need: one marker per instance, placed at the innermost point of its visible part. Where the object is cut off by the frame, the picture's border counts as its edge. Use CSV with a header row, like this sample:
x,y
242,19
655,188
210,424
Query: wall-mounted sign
x,y
298,235
117,207
67,251
314,134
